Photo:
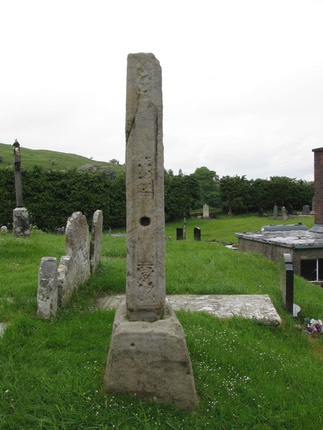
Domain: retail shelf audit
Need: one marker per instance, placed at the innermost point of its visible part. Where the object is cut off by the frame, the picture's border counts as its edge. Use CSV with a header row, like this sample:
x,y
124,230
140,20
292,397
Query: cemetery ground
x,y
247,375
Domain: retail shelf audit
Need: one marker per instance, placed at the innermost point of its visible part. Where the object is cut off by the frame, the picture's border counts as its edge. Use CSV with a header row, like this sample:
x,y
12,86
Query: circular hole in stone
x,y
144,221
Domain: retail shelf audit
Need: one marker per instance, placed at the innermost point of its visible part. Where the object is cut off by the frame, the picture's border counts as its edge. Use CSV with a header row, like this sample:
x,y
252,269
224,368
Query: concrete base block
x,y
150,360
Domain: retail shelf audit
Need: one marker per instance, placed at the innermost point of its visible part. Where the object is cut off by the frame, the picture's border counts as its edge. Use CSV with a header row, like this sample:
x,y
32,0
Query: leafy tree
x,y
209,192
235,193
181,193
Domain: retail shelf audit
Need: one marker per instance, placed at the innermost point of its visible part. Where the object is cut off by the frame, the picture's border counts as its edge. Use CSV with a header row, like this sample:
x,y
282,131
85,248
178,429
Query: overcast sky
x,y
242,79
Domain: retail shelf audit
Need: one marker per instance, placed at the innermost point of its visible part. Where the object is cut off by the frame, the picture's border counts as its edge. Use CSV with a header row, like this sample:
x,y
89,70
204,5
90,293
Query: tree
x,y
209,188
235,193
181,193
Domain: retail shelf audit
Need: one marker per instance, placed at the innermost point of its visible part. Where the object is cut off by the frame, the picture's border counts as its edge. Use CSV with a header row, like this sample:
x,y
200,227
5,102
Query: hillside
x,y
52,160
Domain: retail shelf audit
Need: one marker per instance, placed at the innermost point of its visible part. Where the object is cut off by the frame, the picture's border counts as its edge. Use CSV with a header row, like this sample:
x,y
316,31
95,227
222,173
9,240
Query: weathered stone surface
x,y
47,292
148,356
78,247
21,225
74,267
206,211
145,281
65,279
96,239
257,307
17,170
150,360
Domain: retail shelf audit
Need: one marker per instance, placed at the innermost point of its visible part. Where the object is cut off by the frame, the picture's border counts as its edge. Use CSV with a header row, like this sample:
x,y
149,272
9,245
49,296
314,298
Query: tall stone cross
x,y
17,167
148,356
21,225
145,281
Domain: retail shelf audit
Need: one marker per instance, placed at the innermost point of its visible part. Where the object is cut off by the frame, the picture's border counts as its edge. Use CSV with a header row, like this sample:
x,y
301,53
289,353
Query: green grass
x,y
247,376
49,160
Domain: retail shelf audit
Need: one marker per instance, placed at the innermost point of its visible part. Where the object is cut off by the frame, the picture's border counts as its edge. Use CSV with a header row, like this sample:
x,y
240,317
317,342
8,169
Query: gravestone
x,y
47,292
179,234
206,211
306,210
65,279
287,282
197,233
96,239
21,224
284,213
148,356
74,267
275,214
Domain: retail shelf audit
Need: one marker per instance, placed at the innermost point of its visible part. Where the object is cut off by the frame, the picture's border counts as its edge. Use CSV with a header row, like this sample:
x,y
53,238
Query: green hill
x,y
52,160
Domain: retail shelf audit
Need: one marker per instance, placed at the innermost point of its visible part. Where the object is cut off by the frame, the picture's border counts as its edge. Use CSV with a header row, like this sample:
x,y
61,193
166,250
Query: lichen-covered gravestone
x,y
47,292
74,267
96,239
148,356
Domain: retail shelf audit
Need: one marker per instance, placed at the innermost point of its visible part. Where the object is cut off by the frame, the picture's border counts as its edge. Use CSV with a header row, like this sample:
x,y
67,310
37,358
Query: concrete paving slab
x,y
250,306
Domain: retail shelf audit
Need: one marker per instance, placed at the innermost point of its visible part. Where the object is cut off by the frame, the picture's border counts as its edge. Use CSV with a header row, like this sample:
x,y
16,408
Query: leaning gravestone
x,y
148,356
74,268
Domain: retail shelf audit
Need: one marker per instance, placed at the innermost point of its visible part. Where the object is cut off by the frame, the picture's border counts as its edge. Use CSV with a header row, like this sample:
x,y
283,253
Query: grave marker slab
x,y
47,292
96,239
287,282
197,233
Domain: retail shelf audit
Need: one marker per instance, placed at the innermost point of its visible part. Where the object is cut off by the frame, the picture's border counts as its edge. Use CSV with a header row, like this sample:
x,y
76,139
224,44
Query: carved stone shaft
x,y
145,289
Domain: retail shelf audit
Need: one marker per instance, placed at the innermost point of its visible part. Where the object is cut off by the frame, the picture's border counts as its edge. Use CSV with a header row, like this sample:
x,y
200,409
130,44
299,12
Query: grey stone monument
x,y
306,210
275,213
47,292
284,213
96,239
148,356
21,225
206,211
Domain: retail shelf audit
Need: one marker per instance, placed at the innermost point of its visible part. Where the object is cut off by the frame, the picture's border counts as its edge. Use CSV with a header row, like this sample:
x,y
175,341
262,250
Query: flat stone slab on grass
x,y
251,306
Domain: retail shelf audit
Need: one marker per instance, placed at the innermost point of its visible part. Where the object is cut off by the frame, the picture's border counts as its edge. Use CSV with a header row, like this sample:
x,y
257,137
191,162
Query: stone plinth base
x,y
150,360
21,225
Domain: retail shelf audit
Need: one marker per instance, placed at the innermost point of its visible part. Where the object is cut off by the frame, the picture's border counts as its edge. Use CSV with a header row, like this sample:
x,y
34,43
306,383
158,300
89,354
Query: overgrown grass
x,y
247,376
